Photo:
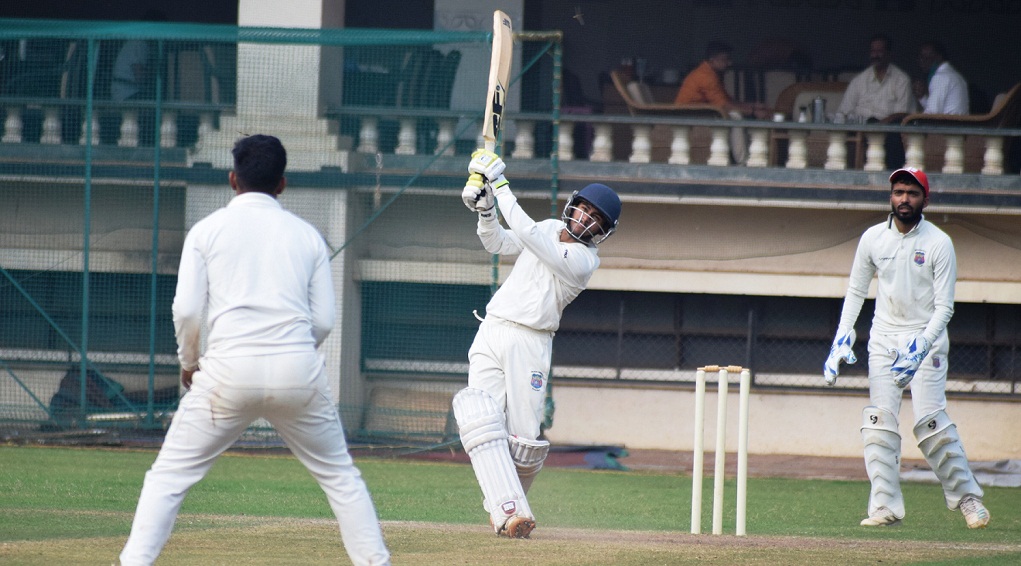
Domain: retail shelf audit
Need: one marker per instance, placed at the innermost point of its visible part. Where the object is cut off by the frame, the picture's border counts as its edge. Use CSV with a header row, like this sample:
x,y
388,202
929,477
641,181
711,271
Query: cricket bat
x,y
499,76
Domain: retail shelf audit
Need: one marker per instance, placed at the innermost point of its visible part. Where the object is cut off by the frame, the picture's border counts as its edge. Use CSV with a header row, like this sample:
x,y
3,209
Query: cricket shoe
x,y
974,512
882,517
517,527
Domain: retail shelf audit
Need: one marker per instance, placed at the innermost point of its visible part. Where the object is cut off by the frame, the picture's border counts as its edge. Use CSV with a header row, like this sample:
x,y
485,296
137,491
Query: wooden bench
x,y
965,153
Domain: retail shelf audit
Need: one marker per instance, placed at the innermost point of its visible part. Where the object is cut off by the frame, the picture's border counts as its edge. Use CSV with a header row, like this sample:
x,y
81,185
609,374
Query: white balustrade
x,y
445,137
168,130
836,151
565,144
914,153
953,157
406,137
129,129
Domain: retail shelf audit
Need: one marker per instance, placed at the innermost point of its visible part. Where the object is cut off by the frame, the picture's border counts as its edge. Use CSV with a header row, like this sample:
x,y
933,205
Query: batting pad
x,y
528,456
881,434
484,437
938,440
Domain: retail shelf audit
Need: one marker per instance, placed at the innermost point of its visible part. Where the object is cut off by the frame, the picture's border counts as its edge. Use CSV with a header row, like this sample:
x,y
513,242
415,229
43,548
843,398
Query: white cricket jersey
x,y
917,272
265,274
546,277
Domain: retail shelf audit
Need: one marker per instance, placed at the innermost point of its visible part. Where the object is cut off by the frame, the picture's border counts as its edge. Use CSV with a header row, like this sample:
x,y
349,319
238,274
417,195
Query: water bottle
x,y
819,110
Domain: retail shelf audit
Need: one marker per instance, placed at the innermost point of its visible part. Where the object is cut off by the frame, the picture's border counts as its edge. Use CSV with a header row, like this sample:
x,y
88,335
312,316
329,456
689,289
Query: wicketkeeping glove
x,y
840,350
476,195
907,359
487,164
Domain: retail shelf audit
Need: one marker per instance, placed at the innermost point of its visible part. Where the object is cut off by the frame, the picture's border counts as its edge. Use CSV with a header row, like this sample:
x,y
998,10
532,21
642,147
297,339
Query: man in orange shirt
x,y
704,84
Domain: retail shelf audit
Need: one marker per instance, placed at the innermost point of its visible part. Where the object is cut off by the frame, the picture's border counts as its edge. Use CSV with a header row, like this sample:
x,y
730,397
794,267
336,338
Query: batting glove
x,y
840,350
907,359
475,195
487,164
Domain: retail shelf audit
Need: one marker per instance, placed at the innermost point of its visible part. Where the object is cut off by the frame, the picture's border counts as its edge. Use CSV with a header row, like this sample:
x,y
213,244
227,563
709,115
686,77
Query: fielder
x,y
908,344
500,411
264,276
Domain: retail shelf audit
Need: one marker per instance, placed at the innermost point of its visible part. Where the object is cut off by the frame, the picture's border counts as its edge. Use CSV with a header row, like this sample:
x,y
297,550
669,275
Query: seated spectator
x,y
704,85
945,90
881,93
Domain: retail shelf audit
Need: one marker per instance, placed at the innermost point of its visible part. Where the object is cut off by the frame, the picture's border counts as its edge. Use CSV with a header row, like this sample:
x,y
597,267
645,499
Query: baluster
x,y
914,155
680,146
129,129
565,143
836,151
444,137
875,153
406,137
602,145
758,148
368,135
993,156
13,126
797,150
524,140
51,126
168,130
719,150
641,145
94,119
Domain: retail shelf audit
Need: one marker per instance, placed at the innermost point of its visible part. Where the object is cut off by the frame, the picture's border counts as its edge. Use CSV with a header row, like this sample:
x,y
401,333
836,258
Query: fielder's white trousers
x,y
227,395
511,363
928,388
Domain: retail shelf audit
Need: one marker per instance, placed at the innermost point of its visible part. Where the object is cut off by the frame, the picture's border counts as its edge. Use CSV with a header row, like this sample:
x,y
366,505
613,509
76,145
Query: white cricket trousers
x,y
512,362
928,387
227,395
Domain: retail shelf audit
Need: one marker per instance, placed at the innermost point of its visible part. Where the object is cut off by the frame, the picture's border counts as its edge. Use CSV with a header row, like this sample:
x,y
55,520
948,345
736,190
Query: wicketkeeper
x,y
500,411
908,344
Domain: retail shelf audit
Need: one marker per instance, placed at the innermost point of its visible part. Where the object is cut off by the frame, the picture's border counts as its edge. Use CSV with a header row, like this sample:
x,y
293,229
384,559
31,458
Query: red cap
x,y
916,174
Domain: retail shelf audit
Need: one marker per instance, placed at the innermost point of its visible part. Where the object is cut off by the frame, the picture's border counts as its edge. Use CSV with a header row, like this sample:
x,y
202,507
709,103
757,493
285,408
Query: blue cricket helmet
x,y
606,202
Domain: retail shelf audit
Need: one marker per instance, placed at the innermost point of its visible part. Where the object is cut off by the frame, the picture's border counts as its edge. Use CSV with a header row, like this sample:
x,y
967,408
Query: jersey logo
x,y
536,380
565,252
509,507
920,257
935,361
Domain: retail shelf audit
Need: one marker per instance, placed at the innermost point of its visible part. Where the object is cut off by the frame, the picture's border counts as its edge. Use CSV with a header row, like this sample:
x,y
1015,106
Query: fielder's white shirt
x,y
265,274
917,273
547,276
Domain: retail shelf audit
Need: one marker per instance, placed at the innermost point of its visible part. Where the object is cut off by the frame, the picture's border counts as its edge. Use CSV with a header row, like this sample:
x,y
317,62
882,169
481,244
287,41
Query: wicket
x,y
721,444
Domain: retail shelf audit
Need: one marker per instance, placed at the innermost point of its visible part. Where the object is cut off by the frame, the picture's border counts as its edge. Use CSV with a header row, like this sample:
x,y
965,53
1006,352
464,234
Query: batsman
x,y
908,345
499,412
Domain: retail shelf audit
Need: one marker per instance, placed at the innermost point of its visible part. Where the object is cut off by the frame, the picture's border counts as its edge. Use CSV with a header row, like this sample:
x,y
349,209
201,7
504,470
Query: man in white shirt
x,y
908,344
947,91
881,93
500,411
263,274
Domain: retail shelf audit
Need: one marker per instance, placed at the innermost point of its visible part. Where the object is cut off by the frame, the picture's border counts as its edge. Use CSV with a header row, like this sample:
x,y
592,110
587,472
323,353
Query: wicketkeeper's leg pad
x,y
881,434
484,437
938,440
528,456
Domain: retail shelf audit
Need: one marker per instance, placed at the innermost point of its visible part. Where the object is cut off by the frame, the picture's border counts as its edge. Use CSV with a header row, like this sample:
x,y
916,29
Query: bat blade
x,y
499,76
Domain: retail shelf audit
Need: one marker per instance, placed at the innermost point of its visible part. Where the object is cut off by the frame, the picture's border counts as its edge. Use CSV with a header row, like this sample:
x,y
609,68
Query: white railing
x,y
807,145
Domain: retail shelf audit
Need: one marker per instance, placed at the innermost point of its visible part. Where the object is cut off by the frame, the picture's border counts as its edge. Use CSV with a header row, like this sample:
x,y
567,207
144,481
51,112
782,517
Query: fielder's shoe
x,y
517,527
882,517
974,512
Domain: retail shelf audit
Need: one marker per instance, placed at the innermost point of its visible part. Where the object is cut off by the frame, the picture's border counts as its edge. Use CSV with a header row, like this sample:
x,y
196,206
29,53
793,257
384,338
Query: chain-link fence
x,y
116,141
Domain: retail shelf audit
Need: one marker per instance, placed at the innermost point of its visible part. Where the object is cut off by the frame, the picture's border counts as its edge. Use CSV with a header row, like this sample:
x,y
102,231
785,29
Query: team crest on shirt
x,y
920,257
537,380
935,361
